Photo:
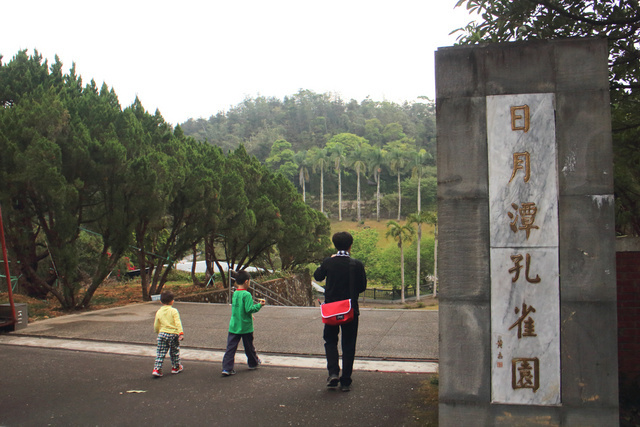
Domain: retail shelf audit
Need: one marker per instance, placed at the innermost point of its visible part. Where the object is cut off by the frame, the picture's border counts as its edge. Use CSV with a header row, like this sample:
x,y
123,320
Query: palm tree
x,y
398,161
338,155
400,233
376,160
419,160
419,218
301,160
357,161
319,162
434,220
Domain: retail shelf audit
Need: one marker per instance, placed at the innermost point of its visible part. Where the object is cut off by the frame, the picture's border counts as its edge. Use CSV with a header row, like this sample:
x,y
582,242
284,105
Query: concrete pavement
x,y
95,369
283,335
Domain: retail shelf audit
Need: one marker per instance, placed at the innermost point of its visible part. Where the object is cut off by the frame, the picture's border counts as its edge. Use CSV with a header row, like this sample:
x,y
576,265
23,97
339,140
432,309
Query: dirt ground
x,y
112,294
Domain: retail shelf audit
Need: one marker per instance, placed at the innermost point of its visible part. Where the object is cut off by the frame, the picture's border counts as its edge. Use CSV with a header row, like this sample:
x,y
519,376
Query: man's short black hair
x,y
342,240
242,276
166,297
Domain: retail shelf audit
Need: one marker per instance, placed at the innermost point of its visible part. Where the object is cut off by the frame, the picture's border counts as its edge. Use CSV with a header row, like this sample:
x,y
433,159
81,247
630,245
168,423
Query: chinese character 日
x,y
520,118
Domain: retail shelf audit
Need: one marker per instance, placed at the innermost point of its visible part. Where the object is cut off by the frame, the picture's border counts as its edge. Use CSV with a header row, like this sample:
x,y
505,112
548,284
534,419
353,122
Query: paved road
x,y
94,369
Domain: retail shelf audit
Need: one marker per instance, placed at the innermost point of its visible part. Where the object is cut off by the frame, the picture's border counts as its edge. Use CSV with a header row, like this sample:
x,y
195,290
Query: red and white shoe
x,y
157,373
177,369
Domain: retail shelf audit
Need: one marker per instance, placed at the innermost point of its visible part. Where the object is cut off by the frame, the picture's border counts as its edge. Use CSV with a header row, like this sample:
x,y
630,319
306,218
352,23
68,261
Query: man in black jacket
x,y
337,269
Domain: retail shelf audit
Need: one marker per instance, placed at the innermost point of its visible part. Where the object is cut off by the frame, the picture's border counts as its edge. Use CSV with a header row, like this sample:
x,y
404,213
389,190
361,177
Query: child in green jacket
x,y
241,325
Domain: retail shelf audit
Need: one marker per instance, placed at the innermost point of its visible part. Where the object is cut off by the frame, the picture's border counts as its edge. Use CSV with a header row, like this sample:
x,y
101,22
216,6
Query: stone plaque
x,y
523,216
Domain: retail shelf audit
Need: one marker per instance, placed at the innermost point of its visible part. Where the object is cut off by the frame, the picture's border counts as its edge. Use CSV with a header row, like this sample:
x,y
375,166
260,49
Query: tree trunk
x,y
399,198
358,208
418,261
402,272
339,196
419,200
106,264
378,196
435,262
304,193
322,190
419,239
194,278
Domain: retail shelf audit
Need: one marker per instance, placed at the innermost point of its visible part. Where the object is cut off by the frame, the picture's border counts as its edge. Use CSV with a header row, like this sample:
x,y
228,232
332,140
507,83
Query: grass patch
x,y
424,405
380,227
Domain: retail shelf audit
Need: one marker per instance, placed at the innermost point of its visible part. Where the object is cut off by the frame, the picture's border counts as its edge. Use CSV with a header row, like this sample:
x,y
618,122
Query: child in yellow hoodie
x,y
169,329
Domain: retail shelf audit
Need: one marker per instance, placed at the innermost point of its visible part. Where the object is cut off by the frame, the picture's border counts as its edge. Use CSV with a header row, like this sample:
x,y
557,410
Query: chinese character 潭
x,y
525,373
521,161
517,267
529,325
520,118
527,217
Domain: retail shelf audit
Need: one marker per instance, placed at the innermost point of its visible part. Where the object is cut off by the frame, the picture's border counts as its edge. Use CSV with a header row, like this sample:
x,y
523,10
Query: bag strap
x,y
352,279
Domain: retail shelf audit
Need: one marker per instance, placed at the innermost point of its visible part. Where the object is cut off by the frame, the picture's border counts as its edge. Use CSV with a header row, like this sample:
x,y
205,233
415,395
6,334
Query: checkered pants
x,y
170,343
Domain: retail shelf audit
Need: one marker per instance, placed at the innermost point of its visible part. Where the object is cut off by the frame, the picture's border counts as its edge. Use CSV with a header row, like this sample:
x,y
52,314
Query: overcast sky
x,y
194,58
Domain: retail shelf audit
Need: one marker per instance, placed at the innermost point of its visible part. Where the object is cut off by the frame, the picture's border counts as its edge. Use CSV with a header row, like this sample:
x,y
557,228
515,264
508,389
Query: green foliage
x,y
73,160
382,267
365,246
617,21
308,120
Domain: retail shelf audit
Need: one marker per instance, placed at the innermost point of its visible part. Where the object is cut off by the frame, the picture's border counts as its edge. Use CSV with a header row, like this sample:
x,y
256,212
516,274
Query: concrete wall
x,y
576,71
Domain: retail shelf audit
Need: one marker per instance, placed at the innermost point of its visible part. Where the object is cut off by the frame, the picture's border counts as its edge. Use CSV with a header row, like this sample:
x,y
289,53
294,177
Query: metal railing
x,y
273,298
395,294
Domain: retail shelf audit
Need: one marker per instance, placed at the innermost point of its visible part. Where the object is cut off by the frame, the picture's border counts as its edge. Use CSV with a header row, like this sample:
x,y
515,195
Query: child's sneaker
x,y
177,369
157,373
228,373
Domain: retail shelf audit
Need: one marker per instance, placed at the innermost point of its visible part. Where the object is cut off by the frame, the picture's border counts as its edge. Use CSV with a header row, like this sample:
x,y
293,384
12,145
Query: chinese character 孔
x,y
517,267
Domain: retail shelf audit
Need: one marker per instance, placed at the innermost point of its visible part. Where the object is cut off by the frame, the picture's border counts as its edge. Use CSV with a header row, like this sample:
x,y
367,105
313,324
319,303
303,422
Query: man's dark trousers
x,y
349,336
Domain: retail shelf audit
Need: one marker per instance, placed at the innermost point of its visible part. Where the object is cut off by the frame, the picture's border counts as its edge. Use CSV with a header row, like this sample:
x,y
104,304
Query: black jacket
x,y
336,271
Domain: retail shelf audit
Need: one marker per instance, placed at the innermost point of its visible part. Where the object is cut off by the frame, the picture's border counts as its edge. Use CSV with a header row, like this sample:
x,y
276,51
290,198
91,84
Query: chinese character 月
x,y
521,161
520,118
527,217
525,373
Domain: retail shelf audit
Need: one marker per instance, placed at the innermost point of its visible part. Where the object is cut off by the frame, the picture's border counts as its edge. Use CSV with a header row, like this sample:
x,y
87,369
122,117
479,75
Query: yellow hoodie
x,y
168,320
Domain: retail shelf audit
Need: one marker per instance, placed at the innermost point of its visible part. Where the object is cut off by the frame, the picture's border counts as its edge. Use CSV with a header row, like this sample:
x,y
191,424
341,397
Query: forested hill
x,y
309,119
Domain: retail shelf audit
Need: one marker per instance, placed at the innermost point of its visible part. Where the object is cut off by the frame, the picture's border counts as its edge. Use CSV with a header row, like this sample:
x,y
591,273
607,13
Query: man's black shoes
x,y
333,381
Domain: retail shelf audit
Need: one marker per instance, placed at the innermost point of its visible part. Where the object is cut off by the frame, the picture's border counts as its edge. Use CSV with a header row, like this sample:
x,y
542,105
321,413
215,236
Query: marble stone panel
x,y
522,170
525,324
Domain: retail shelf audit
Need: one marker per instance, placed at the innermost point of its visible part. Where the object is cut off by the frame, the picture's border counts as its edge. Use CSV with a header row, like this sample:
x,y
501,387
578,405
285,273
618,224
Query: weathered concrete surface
x,y
42,386
383,334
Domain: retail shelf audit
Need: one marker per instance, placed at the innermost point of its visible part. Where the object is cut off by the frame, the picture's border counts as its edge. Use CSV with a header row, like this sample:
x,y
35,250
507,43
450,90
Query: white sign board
x,y
523,211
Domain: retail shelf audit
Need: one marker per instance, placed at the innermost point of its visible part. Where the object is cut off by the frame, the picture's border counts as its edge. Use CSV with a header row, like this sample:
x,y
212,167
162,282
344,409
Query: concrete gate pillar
x,y
526,229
